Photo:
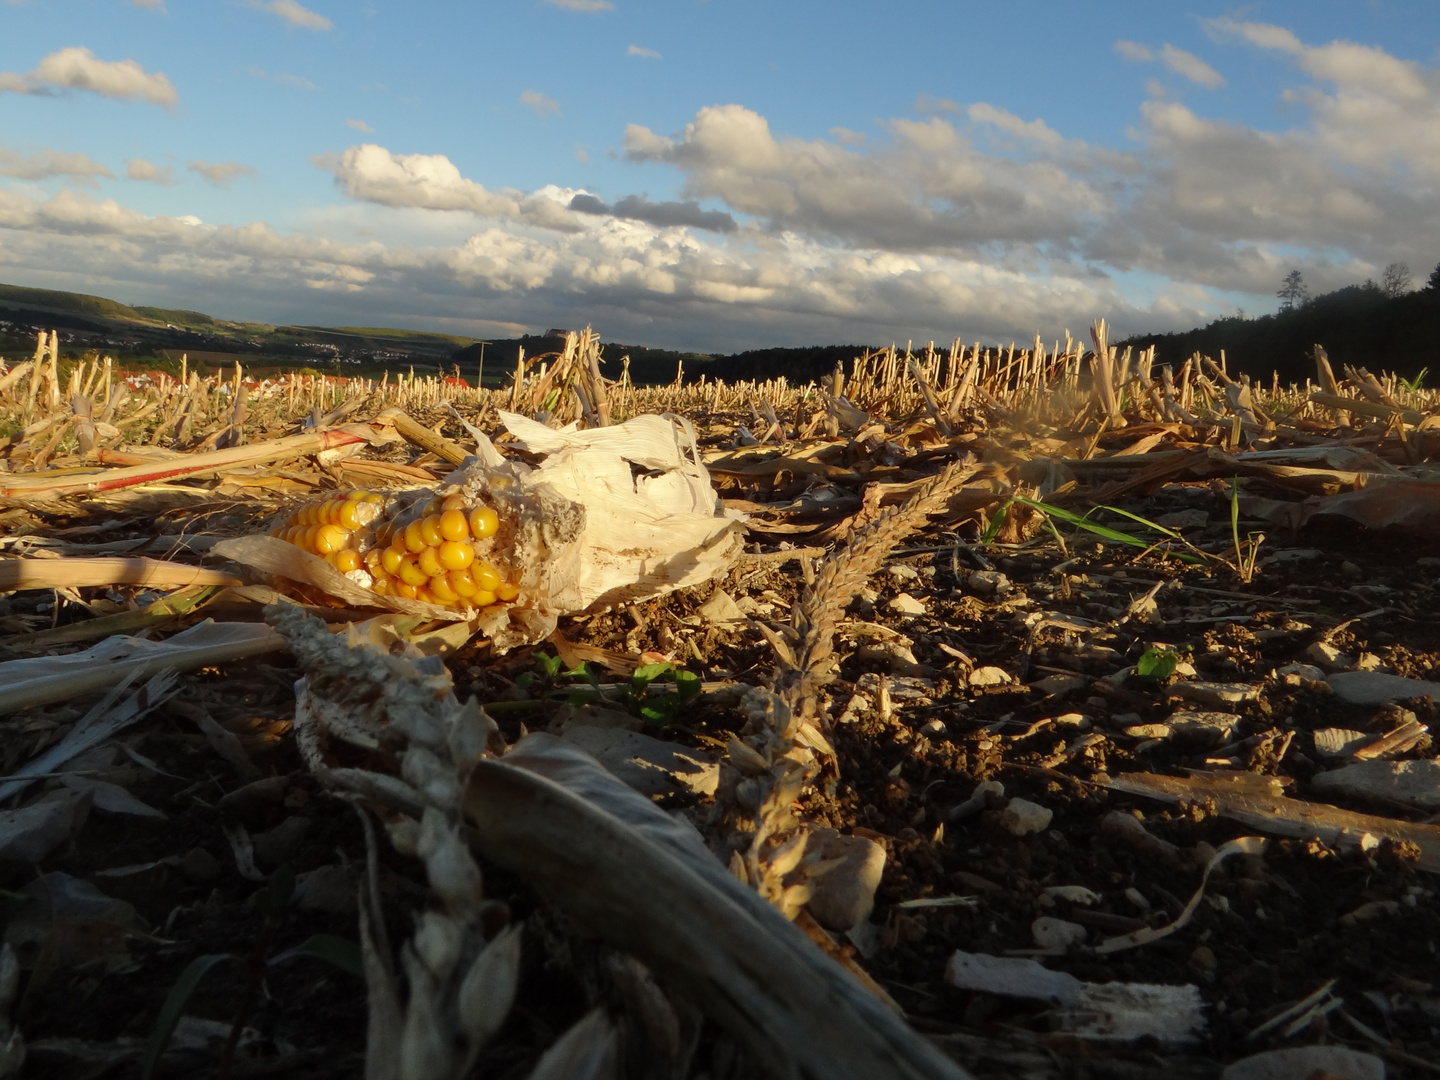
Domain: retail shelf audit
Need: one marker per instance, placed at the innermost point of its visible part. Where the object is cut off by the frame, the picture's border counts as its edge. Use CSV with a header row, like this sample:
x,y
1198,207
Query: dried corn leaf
x,y
48,679
75,573
622,867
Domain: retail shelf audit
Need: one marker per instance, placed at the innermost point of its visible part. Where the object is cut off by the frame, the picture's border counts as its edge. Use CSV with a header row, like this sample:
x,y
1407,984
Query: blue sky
x,y
721,174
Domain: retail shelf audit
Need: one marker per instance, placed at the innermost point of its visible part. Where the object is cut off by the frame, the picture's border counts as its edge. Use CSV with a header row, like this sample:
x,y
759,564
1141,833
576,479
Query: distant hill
x,y
50,301
1358,325
140,334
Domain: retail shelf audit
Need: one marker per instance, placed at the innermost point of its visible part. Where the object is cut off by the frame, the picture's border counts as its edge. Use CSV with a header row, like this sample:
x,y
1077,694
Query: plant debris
x,y
1062,712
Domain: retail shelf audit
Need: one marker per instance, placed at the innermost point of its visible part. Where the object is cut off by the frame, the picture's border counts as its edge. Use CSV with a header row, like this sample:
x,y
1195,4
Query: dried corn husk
x,y
647,884
77,573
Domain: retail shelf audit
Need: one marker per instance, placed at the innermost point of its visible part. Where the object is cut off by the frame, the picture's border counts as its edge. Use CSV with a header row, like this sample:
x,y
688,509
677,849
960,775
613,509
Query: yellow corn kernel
x,y
430,530
347,515
399,587
483,522
506,592
383,583
330,538
483,598
371,497
410,573
414,538
453,502
373,559
390,560
486,576
425,596
463,583
429,561
455,554
454,526
440,589
345,560
308,536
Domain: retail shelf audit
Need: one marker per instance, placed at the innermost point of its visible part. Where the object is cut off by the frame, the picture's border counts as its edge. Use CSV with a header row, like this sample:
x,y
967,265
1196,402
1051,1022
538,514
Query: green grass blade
x,y
1143,521
1071,518
174,1007
337,951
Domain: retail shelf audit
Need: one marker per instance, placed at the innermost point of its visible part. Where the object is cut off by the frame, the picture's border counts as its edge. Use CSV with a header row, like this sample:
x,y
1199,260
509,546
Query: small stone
x,y
1377,688
990,676
30,833
1368,661
1052,933
721,608
1339,742
1203,959
1056,685
1207,724
199,866
901,572
1021,817
844,897
1328,657
1136,897
1350,569
1078,721
1124,719
1149,731
988,583
1216,694
1075,894
906,605
978,800
1300,672
1303,1062
255,798
933,729
1414,783
329,889
280,843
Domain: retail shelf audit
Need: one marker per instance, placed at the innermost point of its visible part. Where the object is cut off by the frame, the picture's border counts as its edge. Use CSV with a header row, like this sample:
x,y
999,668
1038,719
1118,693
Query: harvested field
x,y
1068,660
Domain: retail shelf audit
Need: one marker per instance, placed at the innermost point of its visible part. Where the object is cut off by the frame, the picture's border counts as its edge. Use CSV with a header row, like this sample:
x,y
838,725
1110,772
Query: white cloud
x,y
371,173
634,280
294,14
927,103
637,50
590,7
76,68
540,104
51,163
1191,67
928,188
360,125
1133,50
972,221
1262,35
221,172
282,78
140,169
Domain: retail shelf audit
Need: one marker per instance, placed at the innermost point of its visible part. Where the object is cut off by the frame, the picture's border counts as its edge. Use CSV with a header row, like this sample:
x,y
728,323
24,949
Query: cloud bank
x,y
962,217
76,68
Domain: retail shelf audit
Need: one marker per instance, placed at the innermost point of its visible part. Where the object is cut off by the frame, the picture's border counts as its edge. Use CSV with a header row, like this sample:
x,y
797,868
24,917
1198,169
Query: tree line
x,y
1385,325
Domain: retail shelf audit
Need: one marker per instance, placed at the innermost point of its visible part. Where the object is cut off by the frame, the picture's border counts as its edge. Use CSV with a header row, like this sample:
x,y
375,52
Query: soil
x,y
1270,931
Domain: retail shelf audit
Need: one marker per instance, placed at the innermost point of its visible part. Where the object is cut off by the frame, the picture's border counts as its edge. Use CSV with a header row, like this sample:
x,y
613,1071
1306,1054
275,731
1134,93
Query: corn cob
x,y
438,553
